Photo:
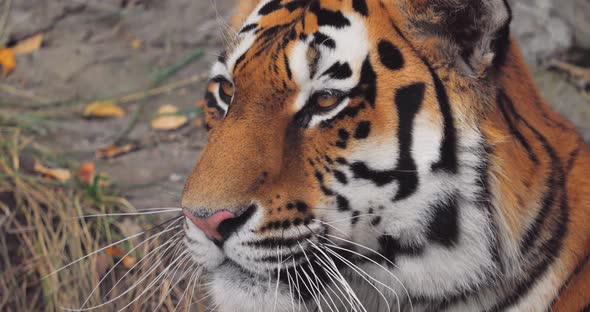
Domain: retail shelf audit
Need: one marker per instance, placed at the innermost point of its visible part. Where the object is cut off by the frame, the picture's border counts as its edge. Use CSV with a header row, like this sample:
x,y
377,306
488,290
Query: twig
x,y
174,69
163,75
22,93
138,96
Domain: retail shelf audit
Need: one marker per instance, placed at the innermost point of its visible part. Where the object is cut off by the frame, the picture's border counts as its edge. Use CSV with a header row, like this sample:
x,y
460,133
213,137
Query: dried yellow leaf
x,y
59,174
86,172
103,110
167,120
114,151
136,44
7,61
28,45
129,262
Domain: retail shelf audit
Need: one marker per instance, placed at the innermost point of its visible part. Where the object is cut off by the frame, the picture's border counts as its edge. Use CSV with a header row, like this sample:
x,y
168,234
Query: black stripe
x,y
516,133
338,71
270,7
297,4
248,27
287,66
448,158
448,149
367,85
408,101
390,56
340,176
274,242
444,226
321,39
391,248
361,7
327,17
342,203
573,156
363,129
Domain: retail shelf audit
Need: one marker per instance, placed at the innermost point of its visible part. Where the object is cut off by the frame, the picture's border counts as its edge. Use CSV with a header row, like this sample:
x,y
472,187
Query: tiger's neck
x,y
533,154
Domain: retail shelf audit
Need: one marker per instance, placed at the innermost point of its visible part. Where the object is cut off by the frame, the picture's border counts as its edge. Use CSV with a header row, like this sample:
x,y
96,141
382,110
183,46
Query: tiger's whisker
x,y
333,227
378,264
352,218
195,285
331,275
121,295
173,286
102,249
129,213
170,241
352,295
315,275
362,274
190,282
278,278
158,277
121,260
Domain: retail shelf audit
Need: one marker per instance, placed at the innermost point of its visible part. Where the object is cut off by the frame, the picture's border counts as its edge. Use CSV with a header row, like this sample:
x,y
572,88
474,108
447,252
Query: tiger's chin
x,y
232,288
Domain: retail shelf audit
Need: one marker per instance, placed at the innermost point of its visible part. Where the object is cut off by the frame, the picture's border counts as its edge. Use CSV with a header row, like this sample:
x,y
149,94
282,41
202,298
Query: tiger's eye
x,y
327,100
227,88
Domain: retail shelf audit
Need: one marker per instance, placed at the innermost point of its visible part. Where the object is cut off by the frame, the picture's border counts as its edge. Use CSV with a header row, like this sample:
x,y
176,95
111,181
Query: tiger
x,y
385,155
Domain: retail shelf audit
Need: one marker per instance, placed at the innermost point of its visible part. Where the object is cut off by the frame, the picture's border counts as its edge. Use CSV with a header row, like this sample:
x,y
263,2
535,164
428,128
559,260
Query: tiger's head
x,y
343,138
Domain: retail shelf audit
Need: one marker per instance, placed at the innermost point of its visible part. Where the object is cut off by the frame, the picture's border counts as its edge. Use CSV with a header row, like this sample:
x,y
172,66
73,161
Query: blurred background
x,y
100,117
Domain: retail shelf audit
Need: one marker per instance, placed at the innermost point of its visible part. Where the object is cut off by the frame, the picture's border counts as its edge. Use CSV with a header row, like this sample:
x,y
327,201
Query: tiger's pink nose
x,y
210,225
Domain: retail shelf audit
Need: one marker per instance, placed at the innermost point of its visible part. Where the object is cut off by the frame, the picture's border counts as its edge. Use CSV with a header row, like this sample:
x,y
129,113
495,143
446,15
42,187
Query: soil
x,y
89,53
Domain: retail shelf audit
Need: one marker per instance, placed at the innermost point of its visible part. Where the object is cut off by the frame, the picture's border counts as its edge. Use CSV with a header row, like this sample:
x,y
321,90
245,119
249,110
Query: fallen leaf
x,y
86,172
7,61
115,251
114,151
136,44
166,120
59,174
103,110
28,45
129,262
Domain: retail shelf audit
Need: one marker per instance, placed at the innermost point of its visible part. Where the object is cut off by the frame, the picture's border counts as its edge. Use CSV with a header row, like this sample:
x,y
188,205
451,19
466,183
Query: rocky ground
x,y
103,48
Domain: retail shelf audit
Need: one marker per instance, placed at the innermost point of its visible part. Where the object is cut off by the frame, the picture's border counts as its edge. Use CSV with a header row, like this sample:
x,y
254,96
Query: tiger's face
x,y
332,146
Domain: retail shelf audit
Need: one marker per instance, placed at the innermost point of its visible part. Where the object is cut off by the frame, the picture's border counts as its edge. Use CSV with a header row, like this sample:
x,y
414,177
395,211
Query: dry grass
x,y
41,231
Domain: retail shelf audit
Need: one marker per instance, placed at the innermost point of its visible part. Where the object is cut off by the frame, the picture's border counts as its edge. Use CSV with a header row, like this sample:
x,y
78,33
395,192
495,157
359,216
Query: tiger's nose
x,y
219,226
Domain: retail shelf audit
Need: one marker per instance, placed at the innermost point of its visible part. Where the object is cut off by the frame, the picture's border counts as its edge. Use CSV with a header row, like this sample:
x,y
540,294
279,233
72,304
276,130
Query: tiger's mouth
x,y
305,273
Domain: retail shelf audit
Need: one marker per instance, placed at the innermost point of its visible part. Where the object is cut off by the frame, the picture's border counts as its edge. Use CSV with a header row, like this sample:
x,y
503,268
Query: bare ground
x,y
88,54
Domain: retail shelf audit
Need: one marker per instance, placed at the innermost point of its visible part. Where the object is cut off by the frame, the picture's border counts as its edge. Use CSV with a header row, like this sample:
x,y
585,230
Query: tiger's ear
x,y
471,33
242,10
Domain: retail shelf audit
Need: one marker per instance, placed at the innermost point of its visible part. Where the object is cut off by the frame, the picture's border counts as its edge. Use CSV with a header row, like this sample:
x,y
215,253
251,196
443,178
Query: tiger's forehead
x,y
317,43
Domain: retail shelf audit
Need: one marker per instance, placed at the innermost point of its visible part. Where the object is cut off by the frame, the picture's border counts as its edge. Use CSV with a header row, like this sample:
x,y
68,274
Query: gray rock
x,y
541,33
28,17
576,14
565,99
